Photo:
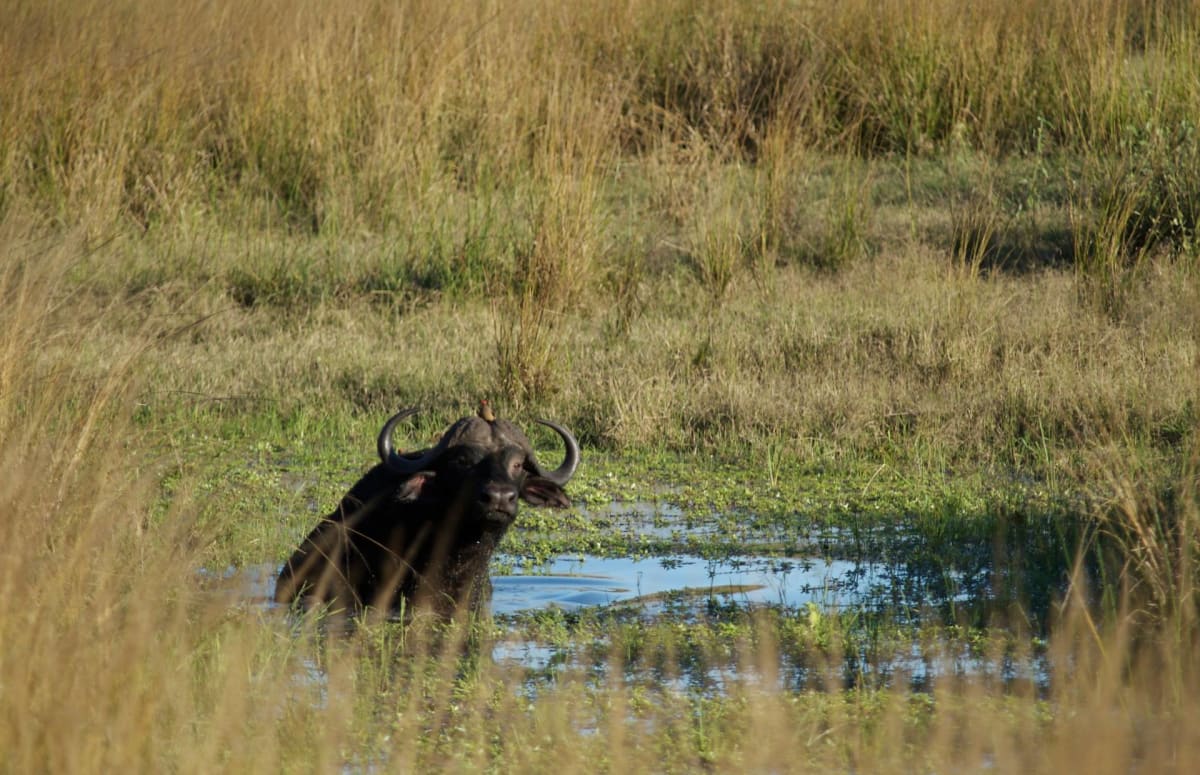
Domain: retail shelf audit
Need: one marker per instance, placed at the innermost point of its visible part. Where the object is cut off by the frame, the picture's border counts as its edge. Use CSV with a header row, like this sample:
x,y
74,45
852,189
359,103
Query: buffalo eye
x,y
516,466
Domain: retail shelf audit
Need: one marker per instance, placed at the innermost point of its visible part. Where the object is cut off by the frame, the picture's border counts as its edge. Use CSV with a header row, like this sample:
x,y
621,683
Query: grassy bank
x,y
899,377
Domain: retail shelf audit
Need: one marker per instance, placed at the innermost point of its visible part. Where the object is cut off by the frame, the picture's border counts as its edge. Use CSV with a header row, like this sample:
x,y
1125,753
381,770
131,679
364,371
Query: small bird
x,y
485,410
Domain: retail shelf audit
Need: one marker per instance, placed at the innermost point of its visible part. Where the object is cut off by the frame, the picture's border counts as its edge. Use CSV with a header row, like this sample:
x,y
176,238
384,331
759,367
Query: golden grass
x,y
523,152
367,115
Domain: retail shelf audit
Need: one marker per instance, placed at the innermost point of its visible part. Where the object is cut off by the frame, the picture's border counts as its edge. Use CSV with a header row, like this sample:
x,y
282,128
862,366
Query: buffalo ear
x,y
542,492
412,487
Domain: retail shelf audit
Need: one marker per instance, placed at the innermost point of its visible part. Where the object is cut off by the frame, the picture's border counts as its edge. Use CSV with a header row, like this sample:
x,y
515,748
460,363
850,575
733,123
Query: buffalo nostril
x,y
500,497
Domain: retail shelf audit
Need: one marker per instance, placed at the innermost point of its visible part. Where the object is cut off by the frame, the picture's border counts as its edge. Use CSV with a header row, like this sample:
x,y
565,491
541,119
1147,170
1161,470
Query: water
x,y
893,572
576,581
901,586
252,584
573,582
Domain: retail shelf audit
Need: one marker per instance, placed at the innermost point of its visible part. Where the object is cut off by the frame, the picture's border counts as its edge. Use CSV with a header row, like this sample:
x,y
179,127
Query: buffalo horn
x,y
564,472
393,459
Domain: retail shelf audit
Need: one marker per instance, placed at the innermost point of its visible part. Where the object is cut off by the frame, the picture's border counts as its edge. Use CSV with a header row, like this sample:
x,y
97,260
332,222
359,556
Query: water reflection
x,y
903,573
961,589
576,581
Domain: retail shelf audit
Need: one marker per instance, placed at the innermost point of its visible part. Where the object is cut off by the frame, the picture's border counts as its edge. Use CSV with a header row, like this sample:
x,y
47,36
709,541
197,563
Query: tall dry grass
x,y
487,149
366,115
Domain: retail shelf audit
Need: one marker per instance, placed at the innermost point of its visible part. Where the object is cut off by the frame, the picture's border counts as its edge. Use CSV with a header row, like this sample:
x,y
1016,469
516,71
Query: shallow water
x,y
689,583
889,581
577,581
890,569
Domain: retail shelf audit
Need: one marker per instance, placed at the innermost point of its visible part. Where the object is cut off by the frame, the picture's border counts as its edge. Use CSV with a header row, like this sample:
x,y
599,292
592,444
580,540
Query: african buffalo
x,y
418,529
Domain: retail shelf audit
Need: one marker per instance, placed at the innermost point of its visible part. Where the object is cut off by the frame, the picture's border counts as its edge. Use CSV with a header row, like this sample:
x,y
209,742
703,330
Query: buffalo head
x,y
419,528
